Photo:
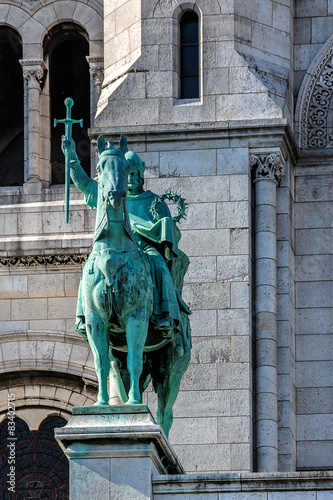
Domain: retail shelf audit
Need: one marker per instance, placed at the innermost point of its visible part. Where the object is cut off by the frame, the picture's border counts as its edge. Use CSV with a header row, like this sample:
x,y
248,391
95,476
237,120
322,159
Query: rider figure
x,y
158,239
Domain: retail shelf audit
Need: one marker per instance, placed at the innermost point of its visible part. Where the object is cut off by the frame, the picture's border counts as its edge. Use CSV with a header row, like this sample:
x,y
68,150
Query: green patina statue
x,y
130,308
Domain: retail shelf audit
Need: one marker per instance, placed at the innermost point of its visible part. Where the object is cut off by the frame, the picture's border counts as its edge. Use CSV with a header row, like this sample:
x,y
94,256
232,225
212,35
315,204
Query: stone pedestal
x,y
114,451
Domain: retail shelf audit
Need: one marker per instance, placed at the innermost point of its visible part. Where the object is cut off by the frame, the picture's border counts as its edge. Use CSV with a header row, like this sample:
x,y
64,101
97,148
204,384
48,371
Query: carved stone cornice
x,y
33,72
43,260
267,166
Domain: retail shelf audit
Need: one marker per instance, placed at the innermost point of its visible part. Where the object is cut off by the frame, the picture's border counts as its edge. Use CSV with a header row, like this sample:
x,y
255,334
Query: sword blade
x,y
67,184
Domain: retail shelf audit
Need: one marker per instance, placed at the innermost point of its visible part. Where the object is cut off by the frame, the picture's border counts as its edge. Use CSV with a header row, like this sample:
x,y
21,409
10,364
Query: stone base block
x,y
114,451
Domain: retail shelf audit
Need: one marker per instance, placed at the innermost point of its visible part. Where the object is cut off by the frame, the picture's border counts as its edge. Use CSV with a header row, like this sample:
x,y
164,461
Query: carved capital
x,y
96,69
33,72
267,166
34,78
98,76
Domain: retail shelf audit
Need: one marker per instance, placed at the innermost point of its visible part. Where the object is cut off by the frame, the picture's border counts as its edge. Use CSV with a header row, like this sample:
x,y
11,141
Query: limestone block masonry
x,y
254,416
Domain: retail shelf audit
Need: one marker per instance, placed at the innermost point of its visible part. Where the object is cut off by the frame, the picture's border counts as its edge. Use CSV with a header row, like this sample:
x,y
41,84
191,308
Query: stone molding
x,y
47,350
269,166
33,72
245,483
43,260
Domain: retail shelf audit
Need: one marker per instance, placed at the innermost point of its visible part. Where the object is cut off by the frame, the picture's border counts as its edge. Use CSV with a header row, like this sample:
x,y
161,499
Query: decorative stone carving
x,y
98,75
33,72
319,108
267,166
43,260
96,69
316,106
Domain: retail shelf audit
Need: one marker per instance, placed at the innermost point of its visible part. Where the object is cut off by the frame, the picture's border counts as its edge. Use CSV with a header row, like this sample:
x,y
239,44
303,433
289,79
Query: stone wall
x,y
40,266
212,429
314,319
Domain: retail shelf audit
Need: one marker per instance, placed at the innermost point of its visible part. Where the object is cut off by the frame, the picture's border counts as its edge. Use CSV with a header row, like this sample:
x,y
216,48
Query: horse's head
x,y
112,170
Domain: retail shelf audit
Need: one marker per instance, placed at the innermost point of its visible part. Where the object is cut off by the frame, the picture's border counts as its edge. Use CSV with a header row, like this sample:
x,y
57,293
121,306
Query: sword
x,y
68,121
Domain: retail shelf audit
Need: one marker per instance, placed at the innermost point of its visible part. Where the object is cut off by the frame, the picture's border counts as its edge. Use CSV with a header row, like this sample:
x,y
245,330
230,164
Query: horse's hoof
x,y
133,402
101,403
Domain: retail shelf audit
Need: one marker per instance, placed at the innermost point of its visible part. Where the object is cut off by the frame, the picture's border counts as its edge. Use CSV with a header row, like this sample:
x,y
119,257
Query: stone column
x,y
33,72
96,70
268,172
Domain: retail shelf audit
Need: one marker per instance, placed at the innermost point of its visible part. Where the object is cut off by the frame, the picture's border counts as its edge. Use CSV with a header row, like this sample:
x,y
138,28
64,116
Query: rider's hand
x,y
68,145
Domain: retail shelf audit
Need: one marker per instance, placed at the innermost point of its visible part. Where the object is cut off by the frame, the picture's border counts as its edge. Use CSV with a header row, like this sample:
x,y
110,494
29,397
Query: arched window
x,y
11,109
67,48
41,467
189,56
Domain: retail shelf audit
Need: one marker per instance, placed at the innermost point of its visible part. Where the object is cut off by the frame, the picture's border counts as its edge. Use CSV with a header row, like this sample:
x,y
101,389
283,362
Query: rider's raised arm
x,y
81,180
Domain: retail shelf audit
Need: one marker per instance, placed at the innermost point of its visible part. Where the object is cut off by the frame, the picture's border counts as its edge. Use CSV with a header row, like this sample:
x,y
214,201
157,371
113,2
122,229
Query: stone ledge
x,y
241,482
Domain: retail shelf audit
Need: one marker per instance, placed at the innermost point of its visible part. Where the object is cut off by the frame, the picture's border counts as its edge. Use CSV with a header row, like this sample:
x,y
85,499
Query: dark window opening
x,y
42,469
189,56
11,109
69,77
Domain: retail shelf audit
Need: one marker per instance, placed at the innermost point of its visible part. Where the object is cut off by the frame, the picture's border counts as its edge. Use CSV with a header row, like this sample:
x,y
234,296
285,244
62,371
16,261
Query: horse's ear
x,y
123,143
100,144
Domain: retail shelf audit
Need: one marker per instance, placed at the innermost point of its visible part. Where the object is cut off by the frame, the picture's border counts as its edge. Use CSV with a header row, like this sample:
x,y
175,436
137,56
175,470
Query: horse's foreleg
x,y
136,334
98,338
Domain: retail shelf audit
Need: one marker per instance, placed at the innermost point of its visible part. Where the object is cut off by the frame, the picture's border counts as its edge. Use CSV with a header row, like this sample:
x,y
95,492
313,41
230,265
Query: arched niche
x,y
66,48
11,109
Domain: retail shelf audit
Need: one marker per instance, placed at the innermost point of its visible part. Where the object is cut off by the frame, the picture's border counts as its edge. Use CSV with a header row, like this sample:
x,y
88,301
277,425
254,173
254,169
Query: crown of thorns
x,y
168,195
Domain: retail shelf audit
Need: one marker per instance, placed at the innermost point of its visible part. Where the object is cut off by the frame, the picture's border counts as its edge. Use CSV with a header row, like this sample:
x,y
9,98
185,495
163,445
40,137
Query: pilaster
x,y
33,73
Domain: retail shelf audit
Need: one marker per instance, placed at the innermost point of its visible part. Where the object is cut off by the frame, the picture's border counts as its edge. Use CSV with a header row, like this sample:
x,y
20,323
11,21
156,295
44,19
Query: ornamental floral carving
x,y
43,260
33,72
34,78
316,118
267,166
319,108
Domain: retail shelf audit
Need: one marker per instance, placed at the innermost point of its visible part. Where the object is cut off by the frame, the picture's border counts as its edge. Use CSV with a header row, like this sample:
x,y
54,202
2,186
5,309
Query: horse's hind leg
x,y
98,337
167,375
136,334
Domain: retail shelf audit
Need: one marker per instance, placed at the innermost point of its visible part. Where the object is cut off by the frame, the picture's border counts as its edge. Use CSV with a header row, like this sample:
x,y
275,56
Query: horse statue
x,y
116,295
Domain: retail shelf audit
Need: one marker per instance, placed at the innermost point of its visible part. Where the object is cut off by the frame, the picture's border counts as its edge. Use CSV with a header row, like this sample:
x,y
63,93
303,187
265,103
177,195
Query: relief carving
x,y
43,260
267,166
317,115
